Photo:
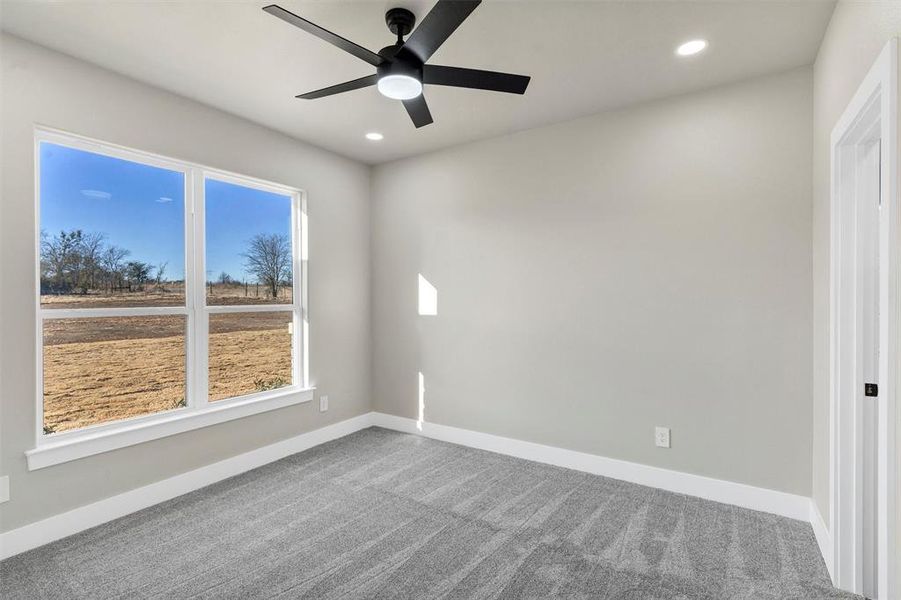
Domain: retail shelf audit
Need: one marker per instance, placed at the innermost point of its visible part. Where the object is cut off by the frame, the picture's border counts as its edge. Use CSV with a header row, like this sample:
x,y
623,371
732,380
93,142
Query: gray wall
x,y
649,266
40,86
857,33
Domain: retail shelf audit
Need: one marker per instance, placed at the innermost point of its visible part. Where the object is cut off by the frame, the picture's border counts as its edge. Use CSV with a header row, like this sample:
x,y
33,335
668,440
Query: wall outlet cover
x,y
661,437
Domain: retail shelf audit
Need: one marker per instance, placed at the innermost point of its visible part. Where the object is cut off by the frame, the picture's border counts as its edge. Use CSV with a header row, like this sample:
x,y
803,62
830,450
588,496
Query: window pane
x,y
248,245
249,352
105,369
112,231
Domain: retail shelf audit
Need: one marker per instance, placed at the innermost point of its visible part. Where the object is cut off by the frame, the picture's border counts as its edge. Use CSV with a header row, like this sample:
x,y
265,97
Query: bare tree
x,y
112,261
46,266
138,273
78,260
224,278
160,273
268,258
60,255
90,250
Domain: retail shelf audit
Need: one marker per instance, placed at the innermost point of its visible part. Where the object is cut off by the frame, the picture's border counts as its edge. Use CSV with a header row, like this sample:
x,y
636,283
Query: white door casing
x,y
865,311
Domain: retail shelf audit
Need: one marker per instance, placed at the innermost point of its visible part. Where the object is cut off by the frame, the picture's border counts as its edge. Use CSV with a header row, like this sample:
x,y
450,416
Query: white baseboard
x,y
824,538
84,517
718,490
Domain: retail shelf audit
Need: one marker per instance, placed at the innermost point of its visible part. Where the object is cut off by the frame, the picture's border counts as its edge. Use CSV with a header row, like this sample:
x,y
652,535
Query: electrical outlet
x,y
661,437
323,403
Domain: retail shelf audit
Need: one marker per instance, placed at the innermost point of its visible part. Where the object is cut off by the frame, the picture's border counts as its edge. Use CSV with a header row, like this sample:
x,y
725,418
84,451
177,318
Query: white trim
x,y
246,308
304,267
246,181
136,431
718,490
65,138
84,517
196,372
297,348
38,321
824,539
874,108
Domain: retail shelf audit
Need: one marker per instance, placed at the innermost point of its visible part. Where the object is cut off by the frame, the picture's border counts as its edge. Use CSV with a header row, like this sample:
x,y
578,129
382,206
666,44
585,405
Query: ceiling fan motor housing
x,y
402,64
400,21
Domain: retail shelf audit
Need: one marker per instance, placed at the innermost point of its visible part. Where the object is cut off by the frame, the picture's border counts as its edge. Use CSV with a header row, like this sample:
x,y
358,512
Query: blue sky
x,y
234,214
141,208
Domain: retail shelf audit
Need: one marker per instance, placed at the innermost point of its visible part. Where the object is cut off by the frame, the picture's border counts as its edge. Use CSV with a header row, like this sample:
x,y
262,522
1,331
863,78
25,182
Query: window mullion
x,y
47,314
248,308
301,298
296,292
200,325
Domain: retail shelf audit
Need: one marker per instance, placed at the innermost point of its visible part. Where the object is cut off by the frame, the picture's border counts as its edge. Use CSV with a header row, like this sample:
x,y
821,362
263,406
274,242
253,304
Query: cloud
x,y
163,199
98,194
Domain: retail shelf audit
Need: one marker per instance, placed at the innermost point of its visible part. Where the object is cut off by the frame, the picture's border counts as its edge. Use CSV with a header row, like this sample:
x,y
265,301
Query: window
x,y
249,289
167,290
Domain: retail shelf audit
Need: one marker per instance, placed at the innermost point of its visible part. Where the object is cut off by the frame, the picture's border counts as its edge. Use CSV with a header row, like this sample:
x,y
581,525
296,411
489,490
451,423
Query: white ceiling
x,y
584,57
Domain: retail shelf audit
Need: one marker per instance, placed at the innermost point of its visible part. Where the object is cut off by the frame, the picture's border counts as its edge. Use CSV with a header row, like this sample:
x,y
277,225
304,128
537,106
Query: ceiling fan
x,y
400,68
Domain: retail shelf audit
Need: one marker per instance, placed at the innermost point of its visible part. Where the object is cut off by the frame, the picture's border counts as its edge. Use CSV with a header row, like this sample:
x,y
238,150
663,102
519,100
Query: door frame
x,y
873,110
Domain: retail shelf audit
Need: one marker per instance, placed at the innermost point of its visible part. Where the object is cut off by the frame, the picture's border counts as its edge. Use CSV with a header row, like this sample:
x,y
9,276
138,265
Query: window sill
x,y
54,452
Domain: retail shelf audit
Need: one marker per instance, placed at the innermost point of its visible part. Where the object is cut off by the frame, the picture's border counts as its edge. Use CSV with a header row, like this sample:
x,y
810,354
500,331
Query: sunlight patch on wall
x,y
428,298
421,416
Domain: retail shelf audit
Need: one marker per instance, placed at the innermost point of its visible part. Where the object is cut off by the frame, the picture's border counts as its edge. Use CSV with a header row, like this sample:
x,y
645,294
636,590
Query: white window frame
x,y
199,410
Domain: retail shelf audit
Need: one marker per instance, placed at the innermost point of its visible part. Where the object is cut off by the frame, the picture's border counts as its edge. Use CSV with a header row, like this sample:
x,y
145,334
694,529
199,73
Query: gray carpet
x,y
380,514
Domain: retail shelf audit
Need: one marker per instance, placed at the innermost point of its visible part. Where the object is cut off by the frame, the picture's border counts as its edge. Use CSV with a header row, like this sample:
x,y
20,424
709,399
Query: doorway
x,y
865,314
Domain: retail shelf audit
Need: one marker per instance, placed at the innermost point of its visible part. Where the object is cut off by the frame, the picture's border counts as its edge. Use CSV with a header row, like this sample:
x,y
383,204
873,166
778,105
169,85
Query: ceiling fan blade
x,y
442,20
332,38
418,111
347,86
475,79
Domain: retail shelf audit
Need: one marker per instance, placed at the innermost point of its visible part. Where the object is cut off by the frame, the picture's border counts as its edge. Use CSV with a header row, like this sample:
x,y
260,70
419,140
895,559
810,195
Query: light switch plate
x,y
323,403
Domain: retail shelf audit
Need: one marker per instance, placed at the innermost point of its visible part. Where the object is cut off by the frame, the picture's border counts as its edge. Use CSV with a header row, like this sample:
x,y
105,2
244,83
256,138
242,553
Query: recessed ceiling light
x,y
692,47
374,136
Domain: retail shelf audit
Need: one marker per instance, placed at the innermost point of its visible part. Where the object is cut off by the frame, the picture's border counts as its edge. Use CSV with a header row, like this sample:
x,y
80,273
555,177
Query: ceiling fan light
x,y
400,87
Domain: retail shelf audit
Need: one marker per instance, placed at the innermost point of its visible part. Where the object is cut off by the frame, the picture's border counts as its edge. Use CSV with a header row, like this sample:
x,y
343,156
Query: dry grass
x,y
95,382
100,370
170,294
243,362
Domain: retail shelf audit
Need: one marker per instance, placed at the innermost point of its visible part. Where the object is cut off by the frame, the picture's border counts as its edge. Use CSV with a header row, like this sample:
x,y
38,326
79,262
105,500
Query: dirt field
x,y
248,353
107,329
99,370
